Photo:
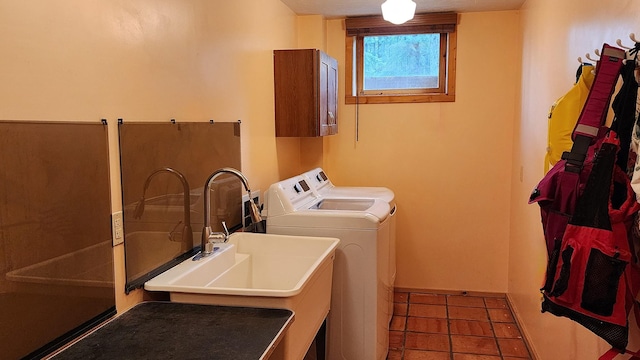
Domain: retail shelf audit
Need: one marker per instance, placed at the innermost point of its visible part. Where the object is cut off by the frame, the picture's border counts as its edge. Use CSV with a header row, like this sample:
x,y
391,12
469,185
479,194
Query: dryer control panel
x,y
318,180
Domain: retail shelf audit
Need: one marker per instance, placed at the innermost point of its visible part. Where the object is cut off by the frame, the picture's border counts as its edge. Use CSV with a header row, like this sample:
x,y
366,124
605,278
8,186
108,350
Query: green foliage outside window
x,y
401,61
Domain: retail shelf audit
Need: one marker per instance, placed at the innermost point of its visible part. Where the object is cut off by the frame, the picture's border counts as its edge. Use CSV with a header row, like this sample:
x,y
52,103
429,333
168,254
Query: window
x,y
413,62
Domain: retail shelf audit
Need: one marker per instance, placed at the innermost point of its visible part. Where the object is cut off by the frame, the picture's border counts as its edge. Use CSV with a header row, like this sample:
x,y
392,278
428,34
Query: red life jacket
x,y
592,276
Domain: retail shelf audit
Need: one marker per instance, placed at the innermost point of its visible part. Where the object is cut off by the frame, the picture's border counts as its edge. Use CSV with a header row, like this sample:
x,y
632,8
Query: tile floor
x,y
430,326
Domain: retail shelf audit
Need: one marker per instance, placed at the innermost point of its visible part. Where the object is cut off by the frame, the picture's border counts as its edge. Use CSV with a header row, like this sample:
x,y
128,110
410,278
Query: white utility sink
x,y
261,270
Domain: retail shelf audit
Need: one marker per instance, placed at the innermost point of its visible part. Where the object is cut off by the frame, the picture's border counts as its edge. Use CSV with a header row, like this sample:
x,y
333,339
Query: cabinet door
x,y
306,93
328,95
296,92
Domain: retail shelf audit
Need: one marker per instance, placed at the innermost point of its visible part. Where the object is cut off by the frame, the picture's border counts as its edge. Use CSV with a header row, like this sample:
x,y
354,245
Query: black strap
x,y
575,158
592,207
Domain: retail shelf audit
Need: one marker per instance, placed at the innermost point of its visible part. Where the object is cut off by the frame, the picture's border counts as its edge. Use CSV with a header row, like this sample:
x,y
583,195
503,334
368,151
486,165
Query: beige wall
x,y
555,34
461,171
150,60
448,163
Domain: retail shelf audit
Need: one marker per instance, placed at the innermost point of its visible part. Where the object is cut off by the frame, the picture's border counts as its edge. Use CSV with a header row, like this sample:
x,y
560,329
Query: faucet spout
x,y
187,233
207,233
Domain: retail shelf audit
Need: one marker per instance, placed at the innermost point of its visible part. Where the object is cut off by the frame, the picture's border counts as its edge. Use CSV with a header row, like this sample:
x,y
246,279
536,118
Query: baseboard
x,y
523,330
451,292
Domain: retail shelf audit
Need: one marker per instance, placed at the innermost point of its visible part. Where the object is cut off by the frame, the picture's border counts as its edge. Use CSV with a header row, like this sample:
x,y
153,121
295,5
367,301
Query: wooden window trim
x,y
422,23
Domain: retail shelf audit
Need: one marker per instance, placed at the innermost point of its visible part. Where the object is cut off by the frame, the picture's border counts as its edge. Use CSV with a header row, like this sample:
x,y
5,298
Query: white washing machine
x,y
358,322
320,182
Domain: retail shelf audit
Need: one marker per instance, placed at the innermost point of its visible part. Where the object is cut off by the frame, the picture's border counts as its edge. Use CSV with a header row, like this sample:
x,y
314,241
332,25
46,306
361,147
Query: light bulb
x,y
398,11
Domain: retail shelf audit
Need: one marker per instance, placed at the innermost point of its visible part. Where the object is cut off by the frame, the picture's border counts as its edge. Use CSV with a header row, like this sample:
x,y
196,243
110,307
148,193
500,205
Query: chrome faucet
x,y
187,233
208,236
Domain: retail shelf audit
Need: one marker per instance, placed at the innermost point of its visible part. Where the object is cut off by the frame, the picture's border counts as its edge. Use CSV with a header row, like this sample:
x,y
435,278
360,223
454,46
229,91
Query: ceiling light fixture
x,y
398,11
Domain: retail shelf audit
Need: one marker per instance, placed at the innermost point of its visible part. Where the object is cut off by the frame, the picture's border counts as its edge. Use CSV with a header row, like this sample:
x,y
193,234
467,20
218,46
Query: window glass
x,y
401,62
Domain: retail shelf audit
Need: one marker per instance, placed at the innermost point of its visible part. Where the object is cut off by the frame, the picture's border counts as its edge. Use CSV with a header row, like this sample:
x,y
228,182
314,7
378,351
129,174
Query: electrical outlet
x,y
117,228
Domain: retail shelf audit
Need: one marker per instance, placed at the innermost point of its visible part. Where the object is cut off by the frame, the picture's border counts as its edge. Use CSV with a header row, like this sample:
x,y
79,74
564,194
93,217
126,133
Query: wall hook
x,y
589,57
104,121
619,42
632,36
580,60
173,121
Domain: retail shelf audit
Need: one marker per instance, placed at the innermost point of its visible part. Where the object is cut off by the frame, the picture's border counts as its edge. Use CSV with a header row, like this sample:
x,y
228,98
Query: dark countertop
x,y
166,330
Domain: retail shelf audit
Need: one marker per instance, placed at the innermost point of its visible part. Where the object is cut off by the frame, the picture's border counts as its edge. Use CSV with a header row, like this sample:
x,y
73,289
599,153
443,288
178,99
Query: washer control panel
x,y
301,186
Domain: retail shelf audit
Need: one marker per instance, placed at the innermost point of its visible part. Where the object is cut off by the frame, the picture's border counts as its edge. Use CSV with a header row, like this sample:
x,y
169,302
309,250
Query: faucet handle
x,y
226,230
218,236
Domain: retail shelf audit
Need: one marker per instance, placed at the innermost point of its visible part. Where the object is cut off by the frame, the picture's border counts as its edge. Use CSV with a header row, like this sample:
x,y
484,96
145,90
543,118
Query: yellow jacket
x,y
563,117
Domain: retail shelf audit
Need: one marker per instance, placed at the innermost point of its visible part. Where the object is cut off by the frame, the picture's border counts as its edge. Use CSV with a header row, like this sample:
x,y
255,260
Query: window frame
x,y
358,28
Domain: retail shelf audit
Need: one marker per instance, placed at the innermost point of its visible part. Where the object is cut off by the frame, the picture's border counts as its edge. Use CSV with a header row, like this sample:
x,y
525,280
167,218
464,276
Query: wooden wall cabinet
x,y
306,93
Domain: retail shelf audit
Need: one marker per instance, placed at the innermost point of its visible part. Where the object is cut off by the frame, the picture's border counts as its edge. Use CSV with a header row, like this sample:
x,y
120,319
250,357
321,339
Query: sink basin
x,y
261,270
250,264
344,204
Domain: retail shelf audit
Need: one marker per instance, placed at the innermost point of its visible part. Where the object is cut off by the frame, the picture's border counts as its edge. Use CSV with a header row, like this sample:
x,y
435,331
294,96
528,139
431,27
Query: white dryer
x,y
320,183
358,322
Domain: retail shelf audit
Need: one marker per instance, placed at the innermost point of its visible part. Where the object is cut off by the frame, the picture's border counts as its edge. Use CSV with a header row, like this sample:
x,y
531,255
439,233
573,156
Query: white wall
x,y
554,35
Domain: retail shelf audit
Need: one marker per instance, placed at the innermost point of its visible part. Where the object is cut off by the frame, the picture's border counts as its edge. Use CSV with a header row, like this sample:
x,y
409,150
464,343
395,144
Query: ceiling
x,y
342,8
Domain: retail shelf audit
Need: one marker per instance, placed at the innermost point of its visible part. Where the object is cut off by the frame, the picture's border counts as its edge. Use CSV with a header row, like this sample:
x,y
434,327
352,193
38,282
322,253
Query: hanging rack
x,y
632,36
580,60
